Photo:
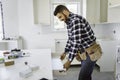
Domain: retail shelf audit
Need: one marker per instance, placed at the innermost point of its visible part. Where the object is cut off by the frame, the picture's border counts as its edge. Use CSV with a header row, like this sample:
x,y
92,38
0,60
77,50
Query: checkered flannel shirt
x,y
80,35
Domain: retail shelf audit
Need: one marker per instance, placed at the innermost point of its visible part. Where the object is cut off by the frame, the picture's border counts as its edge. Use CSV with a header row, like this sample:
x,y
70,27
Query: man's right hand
x,y
62,56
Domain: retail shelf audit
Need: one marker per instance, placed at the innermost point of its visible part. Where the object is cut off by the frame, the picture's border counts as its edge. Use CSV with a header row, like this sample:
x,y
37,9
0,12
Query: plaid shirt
x,y
80,35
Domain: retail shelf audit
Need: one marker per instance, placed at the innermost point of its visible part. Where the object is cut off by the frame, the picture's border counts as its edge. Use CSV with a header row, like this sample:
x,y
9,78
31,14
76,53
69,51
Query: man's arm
x,y
68,45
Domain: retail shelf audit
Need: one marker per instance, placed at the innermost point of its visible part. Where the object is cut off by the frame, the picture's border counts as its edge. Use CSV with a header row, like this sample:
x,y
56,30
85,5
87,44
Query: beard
x,y
65,16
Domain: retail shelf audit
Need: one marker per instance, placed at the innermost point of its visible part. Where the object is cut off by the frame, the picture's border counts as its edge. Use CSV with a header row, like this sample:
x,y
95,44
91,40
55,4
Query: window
x,y
73,7
77,7
1,22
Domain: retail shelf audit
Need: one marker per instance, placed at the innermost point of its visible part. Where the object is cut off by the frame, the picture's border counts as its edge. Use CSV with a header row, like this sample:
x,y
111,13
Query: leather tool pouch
x,y
94,52
82,56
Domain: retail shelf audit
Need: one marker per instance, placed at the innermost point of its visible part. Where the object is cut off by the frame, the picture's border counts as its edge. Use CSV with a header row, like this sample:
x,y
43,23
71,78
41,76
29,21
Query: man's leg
x,y
87,67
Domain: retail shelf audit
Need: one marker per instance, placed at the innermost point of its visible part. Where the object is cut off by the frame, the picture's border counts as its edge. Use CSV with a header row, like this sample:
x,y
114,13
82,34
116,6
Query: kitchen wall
x,y
34,35
19,20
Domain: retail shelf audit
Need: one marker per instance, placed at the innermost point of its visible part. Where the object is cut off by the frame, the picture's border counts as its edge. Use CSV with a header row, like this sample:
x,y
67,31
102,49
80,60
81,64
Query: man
x,y
81,40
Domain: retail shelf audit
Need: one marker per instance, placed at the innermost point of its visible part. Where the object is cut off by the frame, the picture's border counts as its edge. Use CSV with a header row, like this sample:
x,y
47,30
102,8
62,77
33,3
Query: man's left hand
x,y
67,65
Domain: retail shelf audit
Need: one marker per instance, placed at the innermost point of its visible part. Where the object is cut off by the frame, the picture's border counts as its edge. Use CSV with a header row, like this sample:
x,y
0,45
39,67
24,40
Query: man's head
x,y
61,12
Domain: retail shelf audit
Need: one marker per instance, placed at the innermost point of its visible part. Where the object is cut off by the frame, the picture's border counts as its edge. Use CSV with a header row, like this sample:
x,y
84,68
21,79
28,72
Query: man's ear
x,y
64,11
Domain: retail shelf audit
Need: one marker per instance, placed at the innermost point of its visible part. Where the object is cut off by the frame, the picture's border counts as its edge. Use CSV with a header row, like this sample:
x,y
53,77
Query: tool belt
x,y
94,52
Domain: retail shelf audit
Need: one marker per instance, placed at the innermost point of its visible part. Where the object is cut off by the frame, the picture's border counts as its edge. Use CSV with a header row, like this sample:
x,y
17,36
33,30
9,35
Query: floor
x,y
73,72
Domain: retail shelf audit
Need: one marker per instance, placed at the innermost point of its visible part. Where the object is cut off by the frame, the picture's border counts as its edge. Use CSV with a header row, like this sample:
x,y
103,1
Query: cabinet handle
x,y
58,42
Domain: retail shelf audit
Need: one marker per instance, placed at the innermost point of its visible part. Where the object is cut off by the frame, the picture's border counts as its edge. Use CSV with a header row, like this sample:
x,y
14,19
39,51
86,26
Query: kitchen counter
x,y
38,57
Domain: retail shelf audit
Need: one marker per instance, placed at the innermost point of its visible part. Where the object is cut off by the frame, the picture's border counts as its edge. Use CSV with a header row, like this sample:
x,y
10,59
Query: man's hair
x,y
59,9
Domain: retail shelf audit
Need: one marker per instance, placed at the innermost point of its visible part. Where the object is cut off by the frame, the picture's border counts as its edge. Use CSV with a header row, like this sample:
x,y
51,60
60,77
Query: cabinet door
x,y
107,61
97,11
41,12
117,61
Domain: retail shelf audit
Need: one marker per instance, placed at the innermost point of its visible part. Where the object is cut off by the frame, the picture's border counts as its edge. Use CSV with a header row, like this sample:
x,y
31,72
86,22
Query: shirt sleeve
x,y
68,45
76,39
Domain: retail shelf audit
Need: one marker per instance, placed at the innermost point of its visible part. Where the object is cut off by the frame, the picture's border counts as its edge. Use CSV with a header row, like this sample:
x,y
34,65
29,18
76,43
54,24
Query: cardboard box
x,y
9,62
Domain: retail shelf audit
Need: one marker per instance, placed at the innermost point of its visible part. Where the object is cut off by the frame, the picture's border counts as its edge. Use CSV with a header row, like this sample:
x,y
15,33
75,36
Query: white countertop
x,y
39,57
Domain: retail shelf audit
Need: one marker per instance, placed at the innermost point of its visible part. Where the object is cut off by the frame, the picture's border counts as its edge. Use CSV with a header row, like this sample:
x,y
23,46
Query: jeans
x,y
87,67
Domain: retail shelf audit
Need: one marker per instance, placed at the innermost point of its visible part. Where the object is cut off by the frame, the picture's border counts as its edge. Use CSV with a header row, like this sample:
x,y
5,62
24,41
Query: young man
x,y
80,39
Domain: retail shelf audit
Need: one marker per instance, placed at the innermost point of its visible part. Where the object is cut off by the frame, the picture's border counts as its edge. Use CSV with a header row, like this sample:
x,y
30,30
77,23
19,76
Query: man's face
x,y
62,17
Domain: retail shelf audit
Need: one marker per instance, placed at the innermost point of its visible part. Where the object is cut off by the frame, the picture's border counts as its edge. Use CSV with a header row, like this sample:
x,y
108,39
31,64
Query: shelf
x,y
8,40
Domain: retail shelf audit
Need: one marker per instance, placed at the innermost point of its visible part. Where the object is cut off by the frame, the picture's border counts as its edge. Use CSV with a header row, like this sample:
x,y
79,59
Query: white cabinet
x,y
107,61
41,12
114,3
59,49
114,11
97,11
118,63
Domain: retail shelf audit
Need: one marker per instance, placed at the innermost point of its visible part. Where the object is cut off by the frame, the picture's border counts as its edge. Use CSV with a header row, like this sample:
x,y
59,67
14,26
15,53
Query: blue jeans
x,y
87,67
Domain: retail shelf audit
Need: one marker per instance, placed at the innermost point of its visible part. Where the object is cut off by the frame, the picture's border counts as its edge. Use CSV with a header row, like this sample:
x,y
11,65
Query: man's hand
x,y
67,65
63,55
78,57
